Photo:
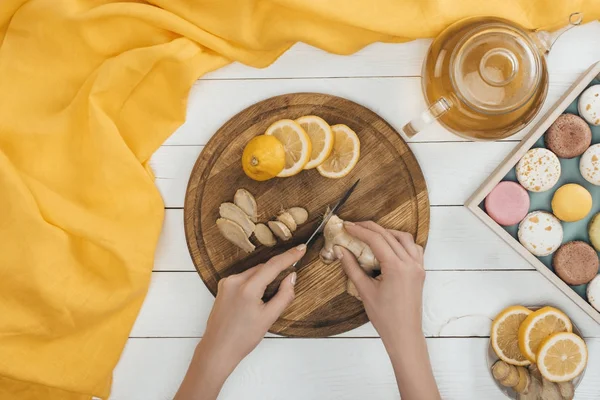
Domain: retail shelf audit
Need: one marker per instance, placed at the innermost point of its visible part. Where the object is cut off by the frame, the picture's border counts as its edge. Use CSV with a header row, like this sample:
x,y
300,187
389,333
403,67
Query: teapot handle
x,y
435,111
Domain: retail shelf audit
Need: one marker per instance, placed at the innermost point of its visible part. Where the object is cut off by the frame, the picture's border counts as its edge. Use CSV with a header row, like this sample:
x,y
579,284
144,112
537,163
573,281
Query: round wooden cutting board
x,y
391,191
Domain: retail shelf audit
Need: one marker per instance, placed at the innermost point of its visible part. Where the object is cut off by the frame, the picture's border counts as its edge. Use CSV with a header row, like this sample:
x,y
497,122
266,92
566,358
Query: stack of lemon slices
x,y
308,142
542,339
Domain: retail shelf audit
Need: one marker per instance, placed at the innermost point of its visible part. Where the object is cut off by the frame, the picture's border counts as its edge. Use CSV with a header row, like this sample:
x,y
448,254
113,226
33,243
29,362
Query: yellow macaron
x,y
571,202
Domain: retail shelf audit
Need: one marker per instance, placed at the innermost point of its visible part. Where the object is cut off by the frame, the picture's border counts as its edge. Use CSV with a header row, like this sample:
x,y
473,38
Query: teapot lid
x,y
496,68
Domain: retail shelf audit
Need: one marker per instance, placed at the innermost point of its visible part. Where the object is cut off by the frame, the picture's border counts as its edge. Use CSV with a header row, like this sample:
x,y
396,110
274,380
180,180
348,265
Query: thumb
x,y
354,271
283,298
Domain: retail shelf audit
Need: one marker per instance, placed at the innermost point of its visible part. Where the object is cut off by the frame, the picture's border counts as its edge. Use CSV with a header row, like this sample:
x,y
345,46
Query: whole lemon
x,y
263,158
571,202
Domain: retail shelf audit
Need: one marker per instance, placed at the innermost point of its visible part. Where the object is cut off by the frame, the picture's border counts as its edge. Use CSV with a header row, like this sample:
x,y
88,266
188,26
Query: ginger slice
x,y
280,230
235,234
524,378
264,235
299,214
235,214
288,220
244,200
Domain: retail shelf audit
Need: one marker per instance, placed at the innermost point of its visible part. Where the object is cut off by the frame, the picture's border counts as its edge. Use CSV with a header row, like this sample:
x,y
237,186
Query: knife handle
x,y
272,288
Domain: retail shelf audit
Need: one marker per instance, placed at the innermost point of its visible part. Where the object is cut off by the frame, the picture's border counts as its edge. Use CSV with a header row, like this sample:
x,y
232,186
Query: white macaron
x,y
589,105
593,292
538,170
541,233
589,165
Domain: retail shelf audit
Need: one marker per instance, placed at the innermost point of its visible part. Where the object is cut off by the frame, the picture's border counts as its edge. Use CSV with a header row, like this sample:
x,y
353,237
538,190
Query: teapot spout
x,y
545,40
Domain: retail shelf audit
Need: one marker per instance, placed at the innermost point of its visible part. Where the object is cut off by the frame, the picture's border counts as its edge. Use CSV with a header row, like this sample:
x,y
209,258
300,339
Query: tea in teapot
x,y
486,78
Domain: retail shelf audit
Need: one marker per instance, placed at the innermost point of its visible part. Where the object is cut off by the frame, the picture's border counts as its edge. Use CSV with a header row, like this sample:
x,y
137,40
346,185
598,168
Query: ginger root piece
x,y
288,220
567,390
512,379
264,235
280,230
550,391
524,379
235,234
299,214
244,200
336,235
235,214
533,391
534,370
500,370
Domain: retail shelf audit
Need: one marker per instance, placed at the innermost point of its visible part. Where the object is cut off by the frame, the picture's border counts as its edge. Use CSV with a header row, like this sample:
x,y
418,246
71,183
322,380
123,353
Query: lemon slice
x,y
562,357
538,326
505,335
321,138
296,144
345,153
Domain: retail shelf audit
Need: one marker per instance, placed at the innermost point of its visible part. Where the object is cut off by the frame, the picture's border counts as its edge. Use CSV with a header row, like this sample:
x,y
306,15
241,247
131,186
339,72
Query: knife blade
x,y
327,216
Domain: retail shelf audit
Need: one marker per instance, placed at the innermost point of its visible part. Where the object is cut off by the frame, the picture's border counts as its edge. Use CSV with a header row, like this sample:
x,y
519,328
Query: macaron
x,y
594,232
541,233
593,292
507,203
576,263
569,136
589,165
589,105
571,202
538,170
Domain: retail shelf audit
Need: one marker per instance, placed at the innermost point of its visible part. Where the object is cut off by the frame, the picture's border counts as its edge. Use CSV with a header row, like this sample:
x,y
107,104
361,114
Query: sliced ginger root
x,y
244,200
264,235
287,219
299,214
280,230
235,214
235,234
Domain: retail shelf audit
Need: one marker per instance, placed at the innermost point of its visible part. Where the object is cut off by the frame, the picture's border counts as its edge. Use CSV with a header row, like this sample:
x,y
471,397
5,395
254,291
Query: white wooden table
x,y
471,274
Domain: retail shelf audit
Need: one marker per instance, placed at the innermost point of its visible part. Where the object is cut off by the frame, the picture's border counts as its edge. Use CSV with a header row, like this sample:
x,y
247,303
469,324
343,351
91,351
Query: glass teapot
x,y
485,78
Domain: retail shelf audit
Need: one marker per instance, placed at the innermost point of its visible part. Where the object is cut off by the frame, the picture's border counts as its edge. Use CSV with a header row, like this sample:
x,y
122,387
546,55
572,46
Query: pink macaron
x,y
507,203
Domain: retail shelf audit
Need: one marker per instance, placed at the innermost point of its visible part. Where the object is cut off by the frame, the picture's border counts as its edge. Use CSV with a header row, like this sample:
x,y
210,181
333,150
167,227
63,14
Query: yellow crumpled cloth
x,y
89,89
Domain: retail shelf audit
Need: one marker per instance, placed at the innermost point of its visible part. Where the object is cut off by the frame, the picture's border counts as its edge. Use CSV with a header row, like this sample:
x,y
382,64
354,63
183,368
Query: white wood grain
x,y
456,303
396,99
575,50
453,171
457,241
320,369
383,77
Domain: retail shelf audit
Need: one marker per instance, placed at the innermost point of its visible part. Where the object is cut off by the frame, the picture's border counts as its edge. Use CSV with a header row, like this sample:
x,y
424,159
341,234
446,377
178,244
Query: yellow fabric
x,y
89,89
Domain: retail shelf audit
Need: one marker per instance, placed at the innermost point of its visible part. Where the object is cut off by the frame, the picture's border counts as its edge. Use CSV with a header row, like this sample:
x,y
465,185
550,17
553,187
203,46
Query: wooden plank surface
x,y
383,77
457,241
319,369
456,303
452,170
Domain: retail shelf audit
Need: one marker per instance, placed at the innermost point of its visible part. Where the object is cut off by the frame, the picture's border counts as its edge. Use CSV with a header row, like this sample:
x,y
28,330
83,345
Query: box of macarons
x,y
544,198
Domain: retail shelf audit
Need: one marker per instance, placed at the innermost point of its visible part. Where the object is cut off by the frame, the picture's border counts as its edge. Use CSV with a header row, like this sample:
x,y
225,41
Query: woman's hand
x,y
393,301
237,323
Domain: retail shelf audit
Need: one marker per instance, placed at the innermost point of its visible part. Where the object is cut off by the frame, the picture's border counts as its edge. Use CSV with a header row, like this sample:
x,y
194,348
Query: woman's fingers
x,y
408,243
355,273
269,271
398,247
283,298
380,247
